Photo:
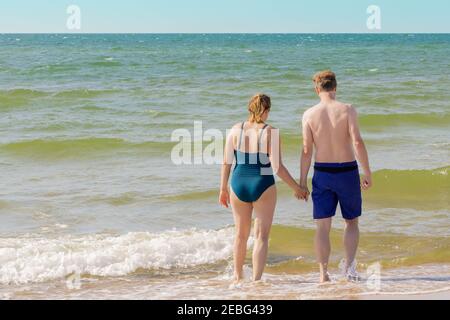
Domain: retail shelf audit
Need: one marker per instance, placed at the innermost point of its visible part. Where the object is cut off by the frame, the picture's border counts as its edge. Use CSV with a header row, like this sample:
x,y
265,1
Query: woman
x,y
254,146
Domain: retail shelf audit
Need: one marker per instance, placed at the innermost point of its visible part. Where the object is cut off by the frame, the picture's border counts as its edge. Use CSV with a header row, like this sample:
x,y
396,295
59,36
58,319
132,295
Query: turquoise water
x,y
86,122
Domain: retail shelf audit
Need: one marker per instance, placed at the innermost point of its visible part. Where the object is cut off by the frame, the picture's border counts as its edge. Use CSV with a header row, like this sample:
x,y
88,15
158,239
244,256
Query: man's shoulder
x,y
308,112
347,106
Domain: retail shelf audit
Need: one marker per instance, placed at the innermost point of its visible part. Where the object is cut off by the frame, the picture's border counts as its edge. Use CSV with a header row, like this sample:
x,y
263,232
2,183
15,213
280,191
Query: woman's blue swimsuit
x,y
253,173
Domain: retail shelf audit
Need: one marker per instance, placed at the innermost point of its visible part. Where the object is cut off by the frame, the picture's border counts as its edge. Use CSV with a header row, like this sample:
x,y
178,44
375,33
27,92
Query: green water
x,y
86,124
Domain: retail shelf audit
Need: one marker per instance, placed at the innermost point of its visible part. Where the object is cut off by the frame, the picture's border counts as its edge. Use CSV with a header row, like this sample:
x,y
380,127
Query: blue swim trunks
x,y
335,183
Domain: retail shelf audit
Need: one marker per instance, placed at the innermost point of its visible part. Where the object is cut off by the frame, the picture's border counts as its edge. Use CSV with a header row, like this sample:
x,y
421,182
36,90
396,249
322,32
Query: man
x,y
331,128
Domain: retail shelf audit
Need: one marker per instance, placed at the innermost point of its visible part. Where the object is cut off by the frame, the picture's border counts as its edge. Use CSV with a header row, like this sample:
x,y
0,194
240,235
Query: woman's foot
x,y
237,283
325,277
238,279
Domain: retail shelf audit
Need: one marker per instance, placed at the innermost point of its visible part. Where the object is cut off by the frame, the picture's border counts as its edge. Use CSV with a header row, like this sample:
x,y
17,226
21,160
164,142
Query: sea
x,y
94,206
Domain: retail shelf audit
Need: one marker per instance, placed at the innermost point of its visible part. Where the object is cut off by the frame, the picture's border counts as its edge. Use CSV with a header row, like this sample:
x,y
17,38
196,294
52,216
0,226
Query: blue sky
x,y
203,16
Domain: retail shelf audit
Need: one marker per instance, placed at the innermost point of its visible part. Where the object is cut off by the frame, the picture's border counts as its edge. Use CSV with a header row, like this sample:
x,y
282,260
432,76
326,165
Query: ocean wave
x,y
85,93
22,92
106,63
416,189
36,259
26,260
20,97
161,114
55,68
292,250
79,148
191,196
380,121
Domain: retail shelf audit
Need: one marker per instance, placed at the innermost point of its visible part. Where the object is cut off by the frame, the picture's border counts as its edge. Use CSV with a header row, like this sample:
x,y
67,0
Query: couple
x,y
331,128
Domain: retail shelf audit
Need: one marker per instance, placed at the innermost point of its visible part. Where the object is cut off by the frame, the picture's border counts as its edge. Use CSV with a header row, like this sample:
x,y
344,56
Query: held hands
x,y
224,198
301,193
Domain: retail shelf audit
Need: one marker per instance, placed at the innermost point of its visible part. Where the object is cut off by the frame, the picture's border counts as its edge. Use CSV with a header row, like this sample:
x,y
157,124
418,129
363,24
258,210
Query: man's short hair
x,y
325,81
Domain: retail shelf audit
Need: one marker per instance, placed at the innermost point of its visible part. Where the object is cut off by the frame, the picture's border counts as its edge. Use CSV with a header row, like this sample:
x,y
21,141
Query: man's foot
x,y
324,275
350,272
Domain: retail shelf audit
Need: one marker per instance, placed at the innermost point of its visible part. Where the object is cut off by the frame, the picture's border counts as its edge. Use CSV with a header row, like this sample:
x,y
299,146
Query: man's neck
x,y
327,96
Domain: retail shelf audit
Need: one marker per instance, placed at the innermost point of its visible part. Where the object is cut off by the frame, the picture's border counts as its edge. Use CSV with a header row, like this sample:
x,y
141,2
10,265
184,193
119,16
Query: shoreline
x,y
399,284
440,295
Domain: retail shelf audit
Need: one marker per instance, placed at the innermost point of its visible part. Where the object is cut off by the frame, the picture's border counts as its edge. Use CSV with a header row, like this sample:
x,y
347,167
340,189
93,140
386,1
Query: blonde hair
x,y
325,80
259,104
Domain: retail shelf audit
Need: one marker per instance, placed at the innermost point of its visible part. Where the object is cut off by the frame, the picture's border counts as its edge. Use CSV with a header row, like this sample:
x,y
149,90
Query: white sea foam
x,y
27,260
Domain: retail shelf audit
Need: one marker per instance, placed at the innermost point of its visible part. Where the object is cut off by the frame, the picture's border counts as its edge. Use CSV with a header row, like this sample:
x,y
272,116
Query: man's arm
x,y
360,148
307,153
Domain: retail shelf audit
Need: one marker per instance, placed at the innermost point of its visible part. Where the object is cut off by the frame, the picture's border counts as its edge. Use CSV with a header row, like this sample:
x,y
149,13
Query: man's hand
x,y
224,198
366,182
302,193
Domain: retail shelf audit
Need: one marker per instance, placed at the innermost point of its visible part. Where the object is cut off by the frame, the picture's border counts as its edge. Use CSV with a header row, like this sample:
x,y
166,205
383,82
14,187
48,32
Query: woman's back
x,y
253,173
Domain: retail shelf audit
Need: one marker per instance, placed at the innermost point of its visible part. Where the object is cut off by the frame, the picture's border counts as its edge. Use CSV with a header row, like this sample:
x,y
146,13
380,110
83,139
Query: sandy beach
x,y
444,295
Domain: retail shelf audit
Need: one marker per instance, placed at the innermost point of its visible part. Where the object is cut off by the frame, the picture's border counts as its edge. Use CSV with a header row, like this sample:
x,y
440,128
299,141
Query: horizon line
x,y
219,33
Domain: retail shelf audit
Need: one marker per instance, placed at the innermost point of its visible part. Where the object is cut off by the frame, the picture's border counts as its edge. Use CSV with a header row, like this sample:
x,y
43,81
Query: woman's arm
x,y
224,197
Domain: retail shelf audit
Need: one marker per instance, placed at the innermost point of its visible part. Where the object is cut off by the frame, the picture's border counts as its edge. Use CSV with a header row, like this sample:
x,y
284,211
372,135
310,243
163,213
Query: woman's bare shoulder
x,y
235,130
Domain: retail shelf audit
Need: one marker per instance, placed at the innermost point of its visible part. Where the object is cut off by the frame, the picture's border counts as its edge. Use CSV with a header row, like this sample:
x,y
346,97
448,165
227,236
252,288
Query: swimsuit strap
x,y
260,137
240,138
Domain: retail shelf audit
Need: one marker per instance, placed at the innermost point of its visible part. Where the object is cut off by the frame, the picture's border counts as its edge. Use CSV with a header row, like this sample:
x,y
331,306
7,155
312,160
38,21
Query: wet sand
x,y
445,295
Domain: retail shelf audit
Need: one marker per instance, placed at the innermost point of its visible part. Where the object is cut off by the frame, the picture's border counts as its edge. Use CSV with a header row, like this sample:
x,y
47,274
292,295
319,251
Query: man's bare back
x,y
328,125
331,128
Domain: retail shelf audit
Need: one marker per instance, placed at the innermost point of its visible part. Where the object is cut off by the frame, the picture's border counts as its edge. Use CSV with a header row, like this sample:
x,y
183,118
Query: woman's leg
x,y
264,211
242,212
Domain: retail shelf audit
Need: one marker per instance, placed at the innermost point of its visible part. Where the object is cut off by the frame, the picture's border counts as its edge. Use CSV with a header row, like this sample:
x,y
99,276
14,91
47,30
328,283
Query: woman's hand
x,y
298,193
224,198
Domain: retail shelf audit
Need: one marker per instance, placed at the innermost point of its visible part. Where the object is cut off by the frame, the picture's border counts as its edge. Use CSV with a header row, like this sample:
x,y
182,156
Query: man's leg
x,y
323,247
351,241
